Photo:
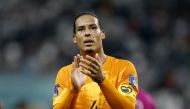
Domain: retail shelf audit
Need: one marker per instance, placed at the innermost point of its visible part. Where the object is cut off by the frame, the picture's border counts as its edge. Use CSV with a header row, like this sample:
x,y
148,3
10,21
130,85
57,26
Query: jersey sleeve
x,y
123,96
128,81
62,93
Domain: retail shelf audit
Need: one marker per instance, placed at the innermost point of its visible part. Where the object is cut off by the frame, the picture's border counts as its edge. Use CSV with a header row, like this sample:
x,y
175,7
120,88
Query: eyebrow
x,y
93,25
81,26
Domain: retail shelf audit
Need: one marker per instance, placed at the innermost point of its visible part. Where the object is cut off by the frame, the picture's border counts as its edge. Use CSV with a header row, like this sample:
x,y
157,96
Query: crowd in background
x,y
36,39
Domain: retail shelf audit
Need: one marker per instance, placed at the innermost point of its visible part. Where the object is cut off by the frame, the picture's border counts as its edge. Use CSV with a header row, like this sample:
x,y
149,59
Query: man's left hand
x,y
94,65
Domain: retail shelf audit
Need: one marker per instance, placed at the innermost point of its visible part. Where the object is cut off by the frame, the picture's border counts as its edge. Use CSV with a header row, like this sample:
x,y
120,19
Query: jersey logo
x,y
132,80
124,89
56,90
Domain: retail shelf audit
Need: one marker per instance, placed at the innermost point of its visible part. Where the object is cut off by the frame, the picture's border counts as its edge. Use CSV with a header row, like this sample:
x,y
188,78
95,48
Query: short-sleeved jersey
x,y
120,73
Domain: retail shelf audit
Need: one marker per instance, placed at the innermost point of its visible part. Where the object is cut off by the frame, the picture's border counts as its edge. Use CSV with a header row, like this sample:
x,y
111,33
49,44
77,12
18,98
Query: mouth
x,y
88,42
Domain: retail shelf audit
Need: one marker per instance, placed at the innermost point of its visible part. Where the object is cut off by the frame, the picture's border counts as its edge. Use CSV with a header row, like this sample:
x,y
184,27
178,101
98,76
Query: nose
x,y
87,33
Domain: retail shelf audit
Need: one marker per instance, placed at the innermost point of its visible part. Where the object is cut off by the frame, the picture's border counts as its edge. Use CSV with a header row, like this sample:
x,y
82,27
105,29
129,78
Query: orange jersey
x,y
120,79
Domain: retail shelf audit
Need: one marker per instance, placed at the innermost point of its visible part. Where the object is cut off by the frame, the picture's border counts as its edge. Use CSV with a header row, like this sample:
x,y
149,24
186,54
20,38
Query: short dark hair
x,y
85,13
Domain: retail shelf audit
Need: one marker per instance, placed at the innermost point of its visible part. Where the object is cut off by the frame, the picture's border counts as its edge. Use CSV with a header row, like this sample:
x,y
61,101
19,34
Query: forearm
x,y
114,98
65,99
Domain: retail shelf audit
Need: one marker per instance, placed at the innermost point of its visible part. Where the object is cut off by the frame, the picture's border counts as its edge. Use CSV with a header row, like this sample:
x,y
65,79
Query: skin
x,y
88,38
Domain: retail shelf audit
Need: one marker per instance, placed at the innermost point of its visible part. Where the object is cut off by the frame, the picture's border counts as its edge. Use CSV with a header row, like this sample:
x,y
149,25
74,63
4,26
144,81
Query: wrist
x,y
101,80
74,90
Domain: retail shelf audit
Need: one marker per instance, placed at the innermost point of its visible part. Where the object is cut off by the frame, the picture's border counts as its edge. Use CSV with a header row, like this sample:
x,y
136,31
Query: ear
x,y
74,39
103,34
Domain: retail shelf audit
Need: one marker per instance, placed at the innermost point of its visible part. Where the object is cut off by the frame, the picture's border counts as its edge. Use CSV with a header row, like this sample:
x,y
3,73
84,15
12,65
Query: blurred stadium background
x,y
36,40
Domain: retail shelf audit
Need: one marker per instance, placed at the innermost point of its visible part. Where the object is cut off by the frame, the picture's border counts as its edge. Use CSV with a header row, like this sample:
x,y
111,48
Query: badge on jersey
x,y
126,90
132,80
56,90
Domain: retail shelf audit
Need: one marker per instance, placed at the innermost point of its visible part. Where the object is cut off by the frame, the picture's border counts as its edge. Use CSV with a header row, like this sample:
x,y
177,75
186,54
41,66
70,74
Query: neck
x,y
101,54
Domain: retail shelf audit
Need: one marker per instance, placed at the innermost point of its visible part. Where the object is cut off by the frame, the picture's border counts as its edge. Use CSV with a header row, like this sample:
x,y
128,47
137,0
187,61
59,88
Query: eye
x,y
93,27
80,29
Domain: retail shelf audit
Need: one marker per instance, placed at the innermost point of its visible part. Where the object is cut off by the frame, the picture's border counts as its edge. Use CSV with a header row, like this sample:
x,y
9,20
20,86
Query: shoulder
x,y
63,75
64,69
120,61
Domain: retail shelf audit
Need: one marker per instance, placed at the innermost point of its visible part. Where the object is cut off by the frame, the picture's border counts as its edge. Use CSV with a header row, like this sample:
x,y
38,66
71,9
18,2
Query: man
x,y
94,80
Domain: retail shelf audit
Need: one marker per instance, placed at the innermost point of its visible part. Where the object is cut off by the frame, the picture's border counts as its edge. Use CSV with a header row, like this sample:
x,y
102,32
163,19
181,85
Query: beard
x,y
90,51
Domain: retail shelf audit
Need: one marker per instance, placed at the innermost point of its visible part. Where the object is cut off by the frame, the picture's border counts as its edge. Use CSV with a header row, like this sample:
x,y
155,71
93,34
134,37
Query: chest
x,y
91,97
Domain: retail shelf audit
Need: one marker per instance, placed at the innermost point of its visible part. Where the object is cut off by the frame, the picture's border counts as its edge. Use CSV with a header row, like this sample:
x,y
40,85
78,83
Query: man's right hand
x,y
78,79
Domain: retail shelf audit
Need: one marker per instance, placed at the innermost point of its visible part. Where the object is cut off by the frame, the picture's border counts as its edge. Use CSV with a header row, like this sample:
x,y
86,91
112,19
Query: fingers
x,y
85,66
89,66
89,63
97,57
76,61
78,57
73,64
94,60
88,74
